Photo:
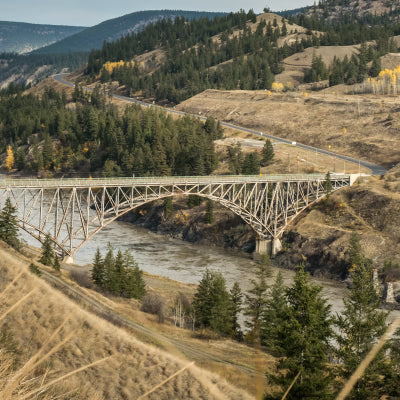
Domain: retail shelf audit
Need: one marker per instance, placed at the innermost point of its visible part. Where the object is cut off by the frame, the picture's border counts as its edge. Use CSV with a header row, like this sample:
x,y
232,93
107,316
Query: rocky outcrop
x,y
319,237
227,230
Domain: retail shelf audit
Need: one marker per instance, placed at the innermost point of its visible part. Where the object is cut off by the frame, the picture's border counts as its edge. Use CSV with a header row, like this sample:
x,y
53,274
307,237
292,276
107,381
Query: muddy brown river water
x,y
183,261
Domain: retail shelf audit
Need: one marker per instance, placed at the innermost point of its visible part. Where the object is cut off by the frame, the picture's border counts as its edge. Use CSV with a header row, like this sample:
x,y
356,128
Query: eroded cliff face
x,y
319,237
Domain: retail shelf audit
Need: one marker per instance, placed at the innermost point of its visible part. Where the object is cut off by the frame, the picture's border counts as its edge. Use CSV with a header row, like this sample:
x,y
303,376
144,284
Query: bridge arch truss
x,y
72,211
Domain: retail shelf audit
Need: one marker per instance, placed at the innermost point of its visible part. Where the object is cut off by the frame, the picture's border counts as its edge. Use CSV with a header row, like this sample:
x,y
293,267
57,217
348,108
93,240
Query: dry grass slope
x,y
131,370
371,122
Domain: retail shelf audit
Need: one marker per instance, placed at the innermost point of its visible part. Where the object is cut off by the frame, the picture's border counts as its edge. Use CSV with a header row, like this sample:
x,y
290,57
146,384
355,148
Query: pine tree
x,y
212,305
360,325
134,284
8,225
56,263
221,318
376,66
304,339
356,256
274,314
98,269
47,252
109,262
202,300
256,297
117,275
251,164
392,372
267,153
168,207
236,300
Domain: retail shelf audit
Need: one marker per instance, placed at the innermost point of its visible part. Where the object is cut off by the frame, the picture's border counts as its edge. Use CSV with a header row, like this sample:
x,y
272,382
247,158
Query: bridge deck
x,y
175,180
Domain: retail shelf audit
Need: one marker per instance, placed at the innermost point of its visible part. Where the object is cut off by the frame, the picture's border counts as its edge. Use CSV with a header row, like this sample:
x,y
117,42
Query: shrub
x,y
154,304
82,279
35,269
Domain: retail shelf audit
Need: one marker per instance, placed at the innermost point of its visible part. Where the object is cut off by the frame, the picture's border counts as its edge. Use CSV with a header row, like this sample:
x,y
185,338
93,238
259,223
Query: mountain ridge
x,y
113,29
23,37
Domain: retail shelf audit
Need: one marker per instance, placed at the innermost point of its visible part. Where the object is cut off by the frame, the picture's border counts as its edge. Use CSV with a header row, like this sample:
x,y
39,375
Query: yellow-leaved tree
x,y
10,160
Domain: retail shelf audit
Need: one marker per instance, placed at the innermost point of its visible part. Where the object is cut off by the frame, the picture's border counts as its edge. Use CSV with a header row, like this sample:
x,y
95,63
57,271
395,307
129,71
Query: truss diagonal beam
x,y
72,211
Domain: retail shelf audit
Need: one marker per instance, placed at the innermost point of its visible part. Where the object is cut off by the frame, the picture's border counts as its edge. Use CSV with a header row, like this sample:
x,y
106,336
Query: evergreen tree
x,y
251,164
20,159
360,325
8,225
267,153
212,305
56,263
376,67
392,371
221,317
168,207
98,269
356,256
134,284
235,157
109,262
117,275
202,300
47,252
274,315
256,297
304,339
236,300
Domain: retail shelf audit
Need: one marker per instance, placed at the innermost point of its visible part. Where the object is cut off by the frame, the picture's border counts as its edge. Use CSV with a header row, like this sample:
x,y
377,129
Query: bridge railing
x,y
129,181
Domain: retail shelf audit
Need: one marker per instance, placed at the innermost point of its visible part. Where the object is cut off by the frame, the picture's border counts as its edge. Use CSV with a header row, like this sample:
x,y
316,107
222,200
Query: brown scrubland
x,y
48,321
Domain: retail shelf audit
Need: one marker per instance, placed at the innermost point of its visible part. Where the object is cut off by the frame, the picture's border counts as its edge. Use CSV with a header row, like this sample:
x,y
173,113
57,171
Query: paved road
x,y
375,169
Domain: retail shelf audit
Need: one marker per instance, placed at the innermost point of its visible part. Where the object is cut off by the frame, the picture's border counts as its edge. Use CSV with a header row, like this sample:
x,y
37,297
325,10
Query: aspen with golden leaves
x,y
10,160
387,82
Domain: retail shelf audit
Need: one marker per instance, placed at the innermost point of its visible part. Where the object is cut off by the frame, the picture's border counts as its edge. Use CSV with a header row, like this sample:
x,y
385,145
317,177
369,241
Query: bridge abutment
x,y
270,247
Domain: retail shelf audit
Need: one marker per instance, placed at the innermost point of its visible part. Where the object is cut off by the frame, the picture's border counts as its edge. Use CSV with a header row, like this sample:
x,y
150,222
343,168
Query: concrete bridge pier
x,y
271,247
68,260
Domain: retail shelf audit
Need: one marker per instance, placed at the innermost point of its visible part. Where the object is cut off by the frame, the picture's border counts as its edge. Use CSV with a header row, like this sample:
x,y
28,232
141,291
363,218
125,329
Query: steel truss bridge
x,y
72,211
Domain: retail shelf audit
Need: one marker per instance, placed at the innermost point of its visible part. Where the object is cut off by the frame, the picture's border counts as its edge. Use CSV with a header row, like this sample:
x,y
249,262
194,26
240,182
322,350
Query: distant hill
x,y
339,11
287,13
20,37
113,29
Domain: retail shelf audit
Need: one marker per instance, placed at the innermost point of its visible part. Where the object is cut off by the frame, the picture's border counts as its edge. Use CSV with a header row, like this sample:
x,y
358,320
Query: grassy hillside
x,y
113,29
19,37
70,338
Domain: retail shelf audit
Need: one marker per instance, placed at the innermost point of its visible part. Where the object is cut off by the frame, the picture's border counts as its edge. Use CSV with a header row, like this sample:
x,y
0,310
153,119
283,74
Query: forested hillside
x,y
46,136
195,61
72,52
240,51
19,37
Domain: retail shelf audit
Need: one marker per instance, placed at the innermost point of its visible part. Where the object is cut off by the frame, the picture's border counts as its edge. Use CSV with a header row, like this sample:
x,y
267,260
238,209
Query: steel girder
x,y
72,211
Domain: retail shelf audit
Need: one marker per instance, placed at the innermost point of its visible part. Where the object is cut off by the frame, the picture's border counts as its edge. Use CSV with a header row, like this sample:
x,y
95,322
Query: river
x,y
183,261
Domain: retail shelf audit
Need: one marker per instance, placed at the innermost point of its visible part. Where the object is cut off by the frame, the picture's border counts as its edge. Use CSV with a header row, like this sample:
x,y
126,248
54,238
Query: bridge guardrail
x,y
128,181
